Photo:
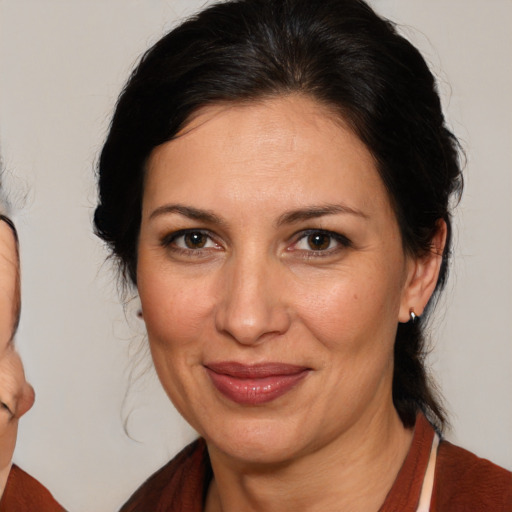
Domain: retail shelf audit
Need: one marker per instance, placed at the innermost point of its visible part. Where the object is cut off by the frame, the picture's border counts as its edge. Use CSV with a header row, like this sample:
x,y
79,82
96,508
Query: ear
x,y
422,274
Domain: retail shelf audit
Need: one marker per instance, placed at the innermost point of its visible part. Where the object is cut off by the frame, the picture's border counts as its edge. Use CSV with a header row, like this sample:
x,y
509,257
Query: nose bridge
x,y
252,305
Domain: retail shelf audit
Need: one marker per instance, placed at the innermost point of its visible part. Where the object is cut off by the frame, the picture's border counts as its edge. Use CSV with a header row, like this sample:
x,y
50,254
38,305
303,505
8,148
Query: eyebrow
x,y
291,217
187,211
313,212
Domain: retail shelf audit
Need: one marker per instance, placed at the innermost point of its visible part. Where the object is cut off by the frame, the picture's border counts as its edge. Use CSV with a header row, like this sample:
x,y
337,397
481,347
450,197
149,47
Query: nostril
x,y
4,406
253,324
252,308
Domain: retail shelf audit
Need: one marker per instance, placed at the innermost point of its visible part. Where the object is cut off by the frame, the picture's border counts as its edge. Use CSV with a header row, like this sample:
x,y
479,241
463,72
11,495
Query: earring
x,y
139,313
412,315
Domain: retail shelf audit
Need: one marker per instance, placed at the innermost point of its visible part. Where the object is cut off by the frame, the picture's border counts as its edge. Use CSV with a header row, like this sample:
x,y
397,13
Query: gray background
x,y
62,64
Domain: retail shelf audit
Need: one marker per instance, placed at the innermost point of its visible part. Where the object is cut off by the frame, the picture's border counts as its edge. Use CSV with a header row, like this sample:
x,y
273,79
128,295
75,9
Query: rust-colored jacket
x,y
24,493
462,483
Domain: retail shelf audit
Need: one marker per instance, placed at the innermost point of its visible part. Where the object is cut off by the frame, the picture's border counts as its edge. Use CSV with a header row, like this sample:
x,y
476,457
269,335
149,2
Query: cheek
x,y
351,313
176,310
176,316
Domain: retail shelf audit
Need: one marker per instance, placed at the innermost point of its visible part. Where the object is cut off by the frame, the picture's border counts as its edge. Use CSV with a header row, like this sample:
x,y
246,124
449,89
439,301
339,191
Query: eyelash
x,y
341,240
169,243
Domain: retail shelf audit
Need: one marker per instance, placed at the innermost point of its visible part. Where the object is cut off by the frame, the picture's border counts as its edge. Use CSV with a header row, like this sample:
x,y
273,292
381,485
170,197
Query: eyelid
x,y
342,241
167,240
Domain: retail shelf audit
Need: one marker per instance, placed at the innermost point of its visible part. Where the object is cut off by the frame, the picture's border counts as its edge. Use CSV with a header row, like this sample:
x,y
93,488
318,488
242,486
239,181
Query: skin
x,y
268,174
16,395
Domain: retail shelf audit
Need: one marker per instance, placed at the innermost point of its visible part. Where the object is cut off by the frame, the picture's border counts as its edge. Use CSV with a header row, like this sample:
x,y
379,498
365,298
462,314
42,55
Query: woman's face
x,y
272,278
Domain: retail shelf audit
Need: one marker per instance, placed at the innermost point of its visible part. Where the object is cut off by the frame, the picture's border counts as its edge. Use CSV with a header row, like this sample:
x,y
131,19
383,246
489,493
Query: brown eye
x,y
195,240
191,241
319,241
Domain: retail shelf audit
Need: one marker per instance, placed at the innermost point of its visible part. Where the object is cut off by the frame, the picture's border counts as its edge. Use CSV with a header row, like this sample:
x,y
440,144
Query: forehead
x,y
291,147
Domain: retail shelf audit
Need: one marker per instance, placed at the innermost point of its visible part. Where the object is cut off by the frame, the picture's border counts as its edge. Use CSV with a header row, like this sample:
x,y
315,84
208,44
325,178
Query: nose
x,y
253,307
26,400
16,394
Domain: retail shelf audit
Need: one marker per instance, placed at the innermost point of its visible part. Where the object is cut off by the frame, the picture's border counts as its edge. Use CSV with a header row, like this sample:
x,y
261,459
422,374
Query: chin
x,y
257,441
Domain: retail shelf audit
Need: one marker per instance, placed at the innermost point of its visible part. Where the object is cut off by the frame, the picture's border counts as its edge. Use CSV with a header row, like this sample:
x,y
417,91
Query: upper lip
x,y
254,371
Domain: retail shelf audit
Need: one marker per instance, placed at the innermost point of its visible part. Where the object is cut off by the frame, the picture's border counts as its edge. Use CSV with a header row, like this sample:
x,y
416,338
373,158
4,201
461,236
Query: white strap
x,y
428,481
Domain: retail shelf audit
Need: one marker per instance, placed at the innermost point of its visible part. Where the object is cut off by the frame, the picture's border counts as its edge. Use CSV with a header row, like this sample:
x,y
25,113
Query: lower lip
x,y
255,391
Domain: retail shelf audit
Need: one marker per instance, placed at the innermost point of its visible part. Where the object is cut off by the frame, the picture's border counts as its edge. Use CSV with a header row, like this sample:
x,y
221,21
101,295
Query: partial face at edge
x,y
16,395
267,236
9,283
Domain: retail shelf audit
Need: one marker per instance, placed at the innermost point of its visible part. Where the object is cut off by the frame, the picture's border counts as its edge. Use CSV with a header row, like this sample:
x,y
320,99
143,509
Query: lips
x,y
255,384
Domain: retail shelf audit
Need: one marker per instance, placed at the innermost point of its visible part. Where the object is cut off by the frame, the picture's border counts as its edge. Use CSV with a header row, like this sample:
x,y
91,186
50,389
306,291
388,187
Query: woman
x,y
277,184
18,490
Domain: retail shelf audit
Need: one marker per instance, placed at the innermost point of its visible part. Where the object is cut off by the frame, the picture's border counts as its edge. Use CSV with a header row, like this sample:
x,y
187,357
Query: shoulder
x,y
181,481
464,481
24,493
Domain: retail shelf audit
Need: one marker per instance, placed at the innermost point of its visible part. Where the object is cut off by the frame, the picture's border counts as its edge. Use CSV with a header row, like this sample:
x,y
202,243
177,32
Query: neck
x,y
351,473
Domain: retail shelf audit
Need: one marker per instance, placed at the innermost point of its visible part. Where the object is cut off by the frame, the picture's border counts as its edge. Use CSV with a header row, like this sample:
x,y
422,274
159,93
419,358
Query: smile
x,y
255,384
